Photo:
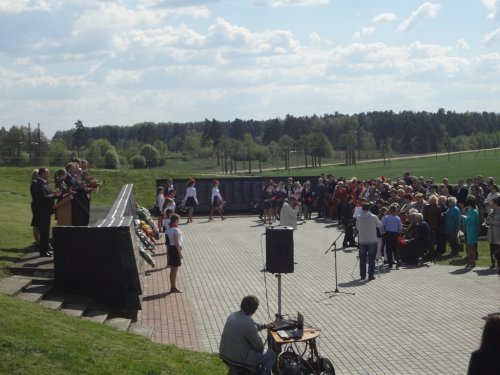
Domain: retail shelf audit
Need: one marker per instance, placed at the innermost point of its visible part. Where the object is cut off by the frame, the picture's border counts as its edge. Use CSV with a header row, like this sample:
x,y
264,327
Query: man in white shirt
x,y
367,224
289,212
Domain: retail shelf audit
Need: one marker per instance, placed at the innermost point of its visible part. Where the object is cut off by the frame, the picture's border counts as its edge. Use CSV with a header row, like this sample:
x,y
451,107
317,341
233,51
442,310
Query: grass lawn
x,y
36,341
483,260
462,165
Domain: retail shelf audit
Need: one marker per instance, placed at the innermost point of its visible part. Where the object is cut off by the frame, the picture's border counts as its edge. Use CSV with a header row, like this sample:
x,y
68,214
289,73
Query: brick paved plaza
x,y
423,320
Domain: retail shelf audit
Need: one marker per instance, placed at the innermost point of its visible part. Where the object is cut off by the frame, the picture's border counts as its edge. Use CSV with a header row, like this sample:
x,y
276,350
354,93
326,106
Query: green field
x,y
15,212
459,165
73,346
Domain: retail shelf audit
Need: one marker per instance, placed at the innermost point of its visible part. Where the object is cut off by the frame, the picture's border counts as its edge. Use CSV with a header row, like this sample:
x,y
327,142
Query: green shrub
x,y
151,155
111,160
138,162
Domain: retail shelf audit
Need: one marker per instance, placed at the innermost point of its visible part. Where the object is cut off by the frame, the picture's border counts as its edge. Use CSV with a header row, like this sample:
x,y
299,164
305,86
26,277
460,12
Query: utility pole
x,y
38,147
383,152
29,143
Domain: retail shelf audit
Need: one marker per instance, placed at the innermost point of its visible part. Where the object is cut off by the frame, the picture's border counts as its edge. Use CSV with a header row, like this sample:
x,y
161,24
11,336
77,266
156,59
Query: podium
x,y
64,211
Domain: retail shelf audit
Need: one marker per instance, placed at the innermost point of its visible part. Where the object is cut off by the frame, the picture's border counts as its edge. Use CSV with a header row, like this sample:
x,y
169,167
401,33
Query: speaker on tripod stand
x,y
279,249
279,255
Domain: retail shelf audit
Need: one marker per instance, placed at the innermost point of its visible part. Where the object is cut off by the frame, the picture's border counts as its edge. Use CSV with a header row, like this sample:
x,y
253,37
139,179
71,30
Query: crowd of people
x,y
167,197
418,217
75,181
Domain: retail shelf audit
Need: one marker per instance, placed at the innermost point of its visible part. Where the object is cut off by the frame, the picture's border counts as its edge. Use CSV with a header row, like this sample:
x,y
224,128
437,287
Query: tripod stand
x,y
279,316
334,245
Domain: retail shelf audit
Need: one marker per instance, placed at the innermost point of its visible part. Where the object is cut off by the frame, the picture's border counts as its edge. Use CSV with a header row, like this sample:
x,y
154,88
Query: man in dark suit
x,y
420,244
460,192
44,207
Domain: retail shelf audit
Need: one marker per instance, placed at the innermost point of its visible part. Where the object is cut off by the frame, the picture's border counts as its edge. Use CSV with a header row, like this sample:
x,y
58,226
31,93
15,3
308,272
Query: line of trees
x,y
282,141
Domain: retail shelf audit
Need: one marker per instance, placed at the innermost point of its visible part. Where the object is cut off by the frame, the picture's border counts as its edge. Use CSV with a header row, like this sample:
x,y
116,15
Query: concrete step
x,y
140,330
95,316
32,265
34,293
14,285
39,280
73,309
52,302
121,324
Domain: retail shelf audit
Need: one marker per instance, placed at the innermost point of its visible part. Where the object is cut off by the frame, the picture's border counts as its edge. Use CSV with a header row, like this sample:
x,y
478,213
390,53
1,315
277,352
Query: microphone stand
x,y
334,245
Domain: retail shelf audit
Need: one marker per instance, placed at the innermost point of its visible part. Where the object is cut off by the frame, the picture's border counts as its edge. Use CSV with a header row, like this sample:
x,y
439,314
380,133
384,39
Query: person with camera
x,y
289,212
349,222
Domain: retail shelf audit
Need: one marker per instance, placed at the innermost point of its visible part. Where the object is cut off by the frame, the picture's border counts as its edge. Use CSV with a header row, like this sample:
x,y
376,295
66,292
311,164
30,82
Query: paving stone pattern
x,y
168,313
423,320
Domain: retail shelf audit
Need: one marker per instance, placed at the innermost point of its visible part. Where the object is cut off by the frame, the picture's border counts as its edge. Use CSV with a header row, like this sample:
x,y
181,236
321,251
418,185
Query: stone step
x,y
34,293
52,302
14,285
40,280
119,323
95,316
32,265
73,309
140,330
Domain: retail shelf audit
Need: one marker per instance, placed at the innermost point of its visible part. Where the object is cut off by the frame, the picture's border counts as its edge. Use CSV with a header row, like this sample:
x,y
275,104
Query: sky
x,y
120,62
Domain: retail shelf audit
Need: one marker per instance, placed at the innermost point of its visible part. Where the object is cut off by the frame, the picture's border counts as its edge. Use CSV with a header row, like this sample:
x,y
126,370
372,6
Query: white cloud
x,y
167,36
492,38
152,60
117,77
176,3
241,40
426,10
315,38
277,3
363,32
18,6
384,17
492,7
462,44
487,63
178,8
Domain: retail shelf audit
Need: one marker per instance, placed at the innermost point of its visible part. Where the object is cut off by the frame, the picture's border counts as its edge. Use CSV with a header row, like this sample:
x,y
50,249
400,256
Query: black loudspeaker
x,y
279,249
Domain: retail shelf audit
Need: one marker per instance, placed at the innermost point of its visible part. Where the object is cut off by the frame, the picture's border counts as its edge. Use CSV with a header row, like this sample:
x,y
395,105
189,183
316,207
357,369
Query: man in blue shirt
x,y
392,228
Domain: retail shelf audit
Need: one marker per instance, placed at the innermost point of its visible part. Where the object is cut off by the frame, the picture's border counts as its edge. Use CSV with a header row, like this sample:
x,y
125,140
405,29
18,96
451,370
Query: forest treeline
x,y
314,138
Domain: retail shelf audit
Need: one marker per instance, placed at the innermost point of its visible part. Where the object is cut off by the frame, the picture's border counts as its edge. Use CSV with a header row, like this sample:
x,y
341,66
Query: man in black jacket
x,y
460,192
44,207
420,244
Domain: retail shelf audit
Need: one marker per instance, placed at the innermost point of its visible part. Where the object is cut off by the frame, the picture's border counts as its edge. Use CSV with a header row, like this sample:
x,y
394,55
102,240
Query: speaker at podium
x,y
279,249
